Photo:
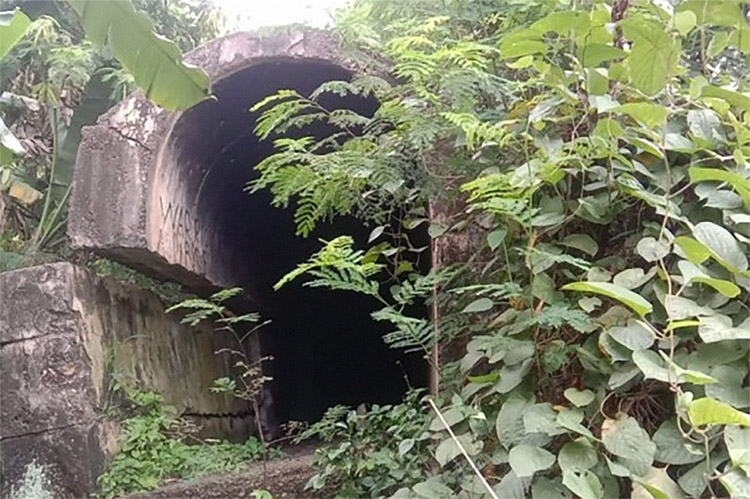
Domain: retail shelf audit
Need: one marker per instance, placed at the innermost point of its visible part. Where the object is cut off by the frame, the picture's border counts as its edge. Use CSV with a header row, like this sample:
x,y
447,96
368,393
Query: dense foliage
x,y
591,160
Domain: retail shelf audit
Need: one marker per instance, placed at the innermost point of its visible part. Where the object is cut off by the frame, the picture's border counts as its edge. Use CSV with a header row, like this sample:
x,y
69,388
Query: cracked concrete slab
x,y
63,333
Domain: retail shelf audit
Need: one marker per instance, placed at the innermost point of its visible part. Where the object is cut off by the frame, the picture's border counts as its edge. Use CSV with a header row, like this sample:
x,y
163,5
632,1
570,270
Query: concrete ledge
x,y
58,326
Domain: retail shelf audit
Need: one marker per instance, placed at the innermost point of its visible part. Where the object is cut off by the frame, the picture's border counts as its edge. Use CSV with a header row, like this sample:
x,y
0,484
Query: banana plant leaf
x,y
155,62
13,25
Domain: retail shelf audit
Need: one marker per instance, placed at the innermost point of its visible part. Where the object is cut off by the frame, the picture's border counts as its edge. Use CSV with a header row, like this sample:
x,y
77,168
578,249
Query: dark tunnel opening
x,y
326,348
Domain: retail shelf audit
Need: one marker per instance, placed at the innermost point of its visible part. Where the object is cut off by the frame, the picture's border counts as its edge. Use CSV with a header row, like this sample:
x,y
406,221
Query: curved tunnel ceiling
x,y
165,193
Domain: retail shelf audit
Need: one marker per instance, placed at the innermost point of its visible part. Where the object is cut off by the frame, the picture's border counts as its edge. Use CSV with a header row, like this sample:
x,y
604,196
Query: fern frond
x,y
336,87
411,334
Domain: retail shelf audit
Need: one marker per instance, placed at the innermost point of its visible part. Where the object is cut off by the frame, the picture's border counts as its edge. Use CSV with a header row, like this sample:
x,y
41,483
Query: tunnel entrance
x,y
326,348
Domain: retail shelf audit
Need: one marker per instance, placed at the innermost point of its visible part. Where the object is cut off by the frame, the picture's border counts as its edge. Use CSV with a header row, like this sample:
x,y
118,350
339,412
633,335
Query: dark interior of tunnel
x,y
326,349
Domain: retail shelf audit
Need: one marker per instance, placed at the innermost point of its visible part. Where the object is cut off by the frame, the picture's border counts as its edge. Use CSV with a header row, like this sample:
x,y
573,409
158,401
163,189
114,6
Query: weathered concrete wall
x,y
58,323
134,196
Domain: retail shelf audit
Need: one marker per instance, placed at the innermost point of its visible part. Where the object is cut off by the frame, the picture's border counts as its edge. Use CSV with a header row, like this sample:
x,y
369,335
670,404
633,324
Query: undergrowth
x,y
158,444
371,452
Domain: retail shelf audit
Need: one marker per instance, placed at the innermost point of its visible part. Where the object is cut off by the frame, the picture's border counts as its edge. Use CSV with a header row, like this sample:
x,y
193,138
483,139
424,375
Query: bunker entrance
x,y
326,348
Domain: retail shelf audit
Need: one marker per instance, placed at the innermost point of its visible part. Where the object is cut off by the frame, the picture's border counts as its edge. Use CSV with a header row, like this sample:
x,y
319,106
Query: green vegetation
x,y
591,160
155,448
248,380
375,452
587,164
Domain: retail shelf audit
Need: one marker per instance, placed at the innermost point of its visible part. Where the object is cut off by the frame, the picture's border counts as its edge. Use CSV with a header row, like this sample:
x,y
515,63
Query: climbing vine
x,y
595,155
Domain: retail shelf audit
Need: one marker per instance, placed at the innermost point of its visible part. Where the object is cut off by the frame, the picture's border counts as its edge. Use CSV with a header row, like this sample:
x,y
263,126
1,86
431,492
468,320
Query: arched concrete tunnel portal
x,y
164,192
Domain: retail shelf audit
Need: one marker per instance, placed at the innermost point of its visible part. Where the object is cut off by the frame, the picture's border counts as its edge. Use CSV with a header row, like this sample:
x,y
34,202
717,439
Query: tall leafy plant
x,y
599,153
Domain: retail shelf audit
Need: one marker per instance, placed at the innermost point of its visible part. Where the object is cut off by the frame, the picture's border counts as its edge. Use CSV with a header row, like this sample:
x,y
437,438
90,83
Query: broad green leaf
x,y
543,287
733,98
633,278
582,242
589,303
593,54
544,488
719,328
155,62
693,250
578,455
717,12
651,115
692,273
623,375
636,302
656,484
704,124
509,424
579,398
542,418
694,481
652,250
684,21
584,484
511,486
624,438
673,448
729,386
525,460
723,246
496,238
608,128
449,450
634,336
13,25
376,233
617,469
673,325
511,376
737,440
523,62
616,351
740,38
602,103
452,416
652,366
479,305
562,22
654,55
738,182
657,366
405,446
679,308
571,419
432,489
737,483
705,411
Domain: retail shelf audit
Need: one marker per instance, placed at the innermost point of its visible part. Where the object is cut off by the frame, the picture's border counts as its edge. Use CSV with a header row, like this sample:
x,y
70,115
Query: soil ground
x,y
285,478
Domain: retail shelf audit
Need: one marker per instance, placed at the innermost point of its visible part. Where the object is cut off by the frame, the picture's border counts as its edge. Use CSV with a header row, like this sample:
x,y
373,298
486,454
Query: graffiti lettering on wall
x,y
183,239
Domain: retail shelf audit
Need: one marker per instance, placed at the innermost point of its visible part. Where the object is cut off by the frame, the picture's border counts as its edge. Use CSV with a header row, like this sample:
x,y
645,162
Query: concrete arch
x,y
163,192
130,203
